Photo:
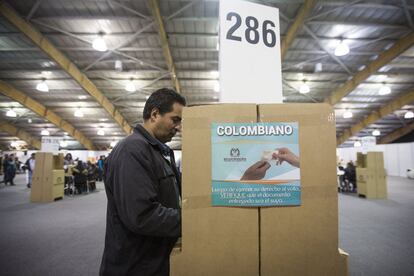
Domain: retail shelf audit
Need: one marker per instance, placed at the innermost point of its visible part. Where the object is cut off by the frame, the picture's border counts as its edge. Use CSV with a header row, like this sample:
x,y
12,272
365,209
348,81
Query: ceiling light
x,y
357,144
99,44
409,115
101,132
78,113
42,86
216,87
113,143
218,46
342,49
82,97
103,120
215,74
45,132
376,132
304,88
130,86
29,121
11,113
347,114
384,90
14,144
118,65
63,144
318,67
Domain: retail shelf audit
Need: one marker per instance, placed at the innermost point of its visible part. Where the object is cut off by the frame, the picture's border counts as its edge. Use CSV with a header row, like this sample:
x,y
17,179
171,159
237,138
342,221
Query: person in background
x,y
93,174
80,176
68,160
18,164
30,165
10,170
100,167
4,167
143,188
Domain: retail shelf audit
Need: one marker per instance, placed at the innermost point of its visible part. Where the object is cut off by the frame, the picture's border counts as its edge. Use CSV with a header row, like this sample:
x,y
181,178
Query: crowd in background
x,y
83,175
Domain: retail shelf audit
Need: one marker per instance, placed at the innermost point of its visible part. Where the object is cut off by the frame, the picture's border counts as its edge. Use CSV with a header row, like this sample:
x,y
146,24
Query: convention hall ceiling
x,y
174,43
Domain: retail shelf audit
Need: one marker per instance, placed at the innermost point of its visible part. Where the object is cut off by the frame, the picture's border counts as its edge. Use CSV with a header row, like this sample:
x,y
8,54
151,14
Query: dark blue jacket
x,y
143,214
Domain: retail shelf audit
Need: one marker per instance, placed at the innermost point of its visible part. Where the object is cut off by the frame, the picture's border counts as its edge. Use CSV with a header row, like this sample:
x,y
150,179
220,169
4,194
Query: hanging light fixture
x,y
216,87
409,115
29,120
130,86
63,144
318,67
45,132
42,86
347,114
78,113
376,132
342,49
101,132
118,65
99,43
357,144
11,113
14,144
113,143
304,88
384,90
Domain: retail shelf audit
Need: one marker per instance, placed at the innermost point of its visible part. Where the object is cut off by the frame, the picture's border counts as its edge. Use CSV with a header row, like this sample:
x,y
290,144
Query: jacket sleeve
x,y
135,197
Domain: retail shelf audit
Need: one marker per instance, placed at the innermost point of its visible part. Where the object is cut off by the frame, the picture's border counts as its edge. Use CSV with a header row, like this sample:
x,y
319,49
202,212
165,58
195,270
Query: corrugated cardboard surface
x,y
300,240
303,240
215,240
43,189
37,179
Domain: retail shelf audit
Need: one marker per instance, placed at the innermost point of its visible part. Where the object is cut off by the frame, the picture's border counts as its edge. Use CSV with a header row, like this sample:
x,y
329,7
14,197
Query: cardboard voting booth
x,y
282,239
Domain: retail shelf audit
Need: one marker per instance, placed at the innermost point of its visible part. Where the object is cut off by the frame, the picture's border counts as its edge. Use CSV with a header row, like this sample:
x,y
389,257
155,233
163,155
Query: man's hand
x,y
284,154
257,171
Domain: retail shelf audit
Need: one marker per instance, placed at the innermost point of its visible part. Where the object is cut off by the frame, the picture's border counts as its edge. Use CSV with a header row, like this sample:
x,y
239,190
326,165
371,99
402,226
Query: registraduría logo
x,y
234,152
234,156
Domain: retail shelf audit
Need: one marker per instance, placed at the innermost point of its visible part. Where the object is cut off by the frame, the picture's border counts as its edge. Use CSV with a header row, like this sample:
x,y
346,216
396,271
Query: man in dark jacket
x,y
143,189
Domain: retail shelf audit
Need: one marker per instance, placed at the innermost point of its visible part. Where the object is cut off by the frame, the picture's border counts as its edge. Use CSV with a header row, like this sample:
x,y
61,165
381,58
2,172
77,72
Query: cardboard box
x,y
300,240
303,240
215,240
48,178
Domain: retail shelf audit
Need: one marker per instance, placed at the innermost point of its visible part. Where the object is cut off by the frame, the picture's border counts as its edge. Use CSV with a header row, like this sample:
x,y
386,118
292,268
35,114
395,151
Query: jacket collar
x,y
165,150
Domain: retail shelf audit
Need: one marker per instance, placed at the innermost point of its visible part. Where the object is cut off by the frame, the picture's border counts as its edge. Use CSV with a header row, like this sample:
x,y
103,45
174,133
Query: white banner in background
x,y
368,143
50,144
250,65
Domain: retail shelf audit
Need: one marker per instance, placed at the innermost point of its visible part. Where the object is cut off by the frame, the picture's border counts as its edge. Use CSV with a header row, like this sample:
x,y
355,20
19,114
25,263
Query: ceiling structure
x,y
174,43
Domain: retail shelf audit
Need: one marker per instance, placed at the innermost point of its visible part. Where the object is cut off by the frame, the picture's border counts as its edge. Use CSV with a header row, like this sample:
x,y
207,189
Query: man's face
x,y
167,125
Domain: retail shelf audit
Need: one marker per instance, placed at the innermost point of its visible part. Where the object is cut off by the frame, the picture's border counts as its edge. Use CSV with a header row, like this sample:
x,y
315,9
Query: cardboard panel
x,y
58,177
37,179
303,240
215,240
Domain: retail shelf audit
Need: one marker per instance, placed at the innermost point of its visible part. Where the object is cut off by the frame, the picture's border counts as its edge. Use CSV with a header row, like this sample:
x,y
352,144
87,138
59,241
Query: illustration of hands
x,y
256,171
284,154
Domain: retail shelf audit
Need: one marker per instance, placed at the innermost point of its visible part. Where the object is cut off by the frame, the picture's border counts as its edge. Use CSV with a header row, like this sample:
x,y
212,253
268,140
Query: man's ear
x,y
154,113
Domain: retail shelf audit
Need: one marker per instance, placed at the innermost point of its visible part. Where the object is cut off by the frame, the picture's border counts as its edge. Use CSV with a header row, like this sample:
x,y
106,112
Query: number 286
x,y
251,33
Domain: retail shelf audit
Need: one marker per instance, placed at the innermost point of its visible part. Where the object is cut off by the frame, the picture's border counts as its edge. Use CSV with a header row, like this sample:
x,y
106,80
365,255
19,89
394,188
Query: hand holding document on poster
x,y
284,154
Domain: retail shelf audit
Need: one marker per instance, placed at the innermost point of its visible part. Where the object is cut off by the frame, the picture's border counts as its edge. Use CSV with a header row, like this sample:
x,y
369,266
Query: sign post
x,y
250,64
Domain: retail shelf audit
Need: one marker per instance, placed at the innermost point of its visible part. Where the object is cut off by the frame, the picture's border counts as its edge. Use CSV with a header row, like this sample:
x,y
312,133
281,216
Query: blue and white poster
x,y
255,164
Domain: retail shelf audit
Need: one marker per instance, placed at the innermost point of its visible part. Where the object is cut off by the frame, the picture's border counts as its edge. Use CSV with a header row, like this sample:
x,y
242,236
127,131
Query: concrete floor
x,y
66,237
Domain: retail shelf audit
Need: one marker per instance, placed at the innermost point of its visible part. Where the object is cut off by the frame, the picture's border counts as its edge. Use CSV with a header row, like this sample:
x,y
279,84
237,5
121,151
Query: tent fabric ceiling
x,y
368,27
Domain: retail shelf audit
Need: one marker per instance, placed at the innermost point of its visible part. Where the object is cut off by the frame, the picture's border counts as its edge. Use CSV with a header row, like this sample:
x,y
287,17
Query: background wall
x,y
397,157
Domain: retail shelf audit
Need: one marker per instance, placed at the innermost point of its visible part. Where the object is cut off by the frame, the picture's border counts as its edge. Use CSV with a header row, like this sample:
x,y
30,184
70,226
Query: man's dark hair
x,y
163,99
